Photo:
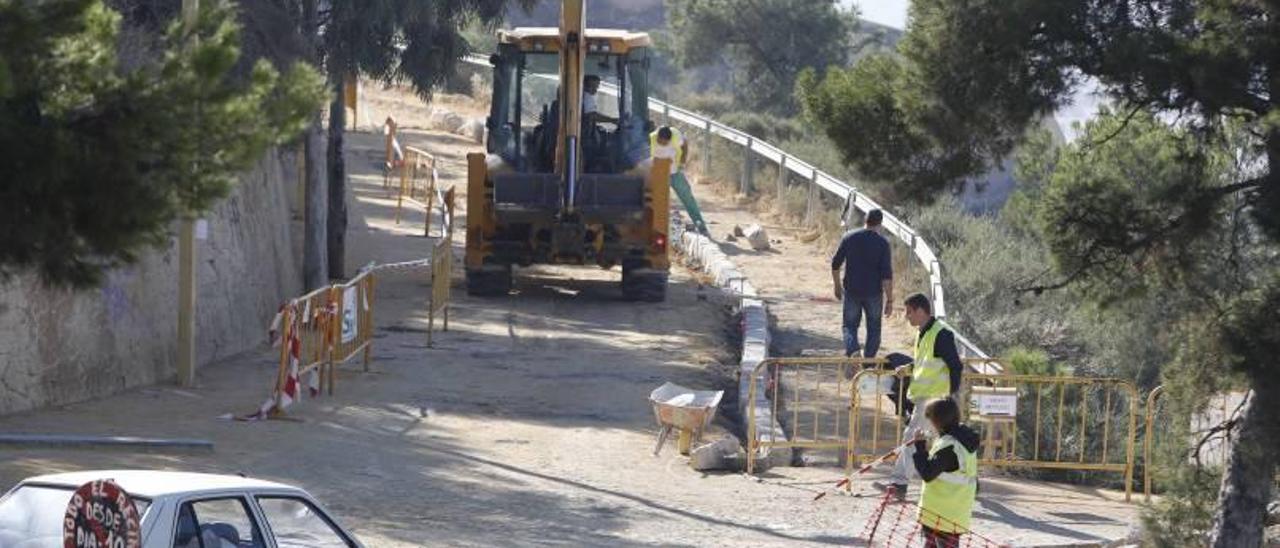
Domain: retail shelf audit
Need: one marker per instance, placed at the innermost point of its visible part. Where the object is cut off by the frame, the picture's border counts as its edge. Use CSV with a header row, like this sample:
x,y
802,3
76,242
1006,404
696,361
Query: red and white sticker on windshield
x,y
101,515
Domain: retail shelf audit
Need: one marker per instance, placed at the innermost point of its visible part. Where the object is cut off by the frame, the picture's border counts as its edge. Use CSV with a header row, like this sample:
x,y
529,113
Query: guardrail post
x,y
706,150
666,114
812,198
782,180
746,168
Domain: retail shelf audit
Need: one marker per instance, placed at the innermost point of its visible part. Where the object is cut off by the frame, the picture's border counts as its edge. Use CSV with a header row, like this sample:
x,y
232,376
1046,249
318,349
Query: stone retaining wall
x,y
59,346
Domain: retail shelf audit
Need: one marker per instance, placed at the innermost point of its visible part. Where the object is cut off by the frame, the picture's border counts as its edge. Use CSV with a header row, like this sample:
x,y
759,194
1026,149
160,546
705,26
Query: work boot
x,y
899,490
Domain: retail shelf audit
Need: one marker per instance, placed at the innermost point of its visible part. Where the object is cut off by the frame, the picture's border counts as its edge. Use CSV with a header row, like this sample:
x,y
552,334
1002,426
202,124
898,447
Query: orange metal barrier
x,y
394,154
354,301
320,330
1026,421
1216,451
418,178
441,266
809,398
1058,423
307,336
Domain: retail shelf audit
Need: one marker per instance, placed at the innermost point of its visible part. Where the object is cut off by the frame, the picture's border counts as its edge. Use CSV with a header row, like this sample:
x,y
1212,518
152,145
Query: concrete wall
x,y
58,346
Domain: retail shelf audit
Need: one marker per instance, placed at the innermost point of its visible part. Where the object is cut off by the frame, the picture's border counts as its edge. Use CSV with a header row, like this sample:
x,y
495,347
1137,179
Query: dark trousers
x,y
935,539
854,309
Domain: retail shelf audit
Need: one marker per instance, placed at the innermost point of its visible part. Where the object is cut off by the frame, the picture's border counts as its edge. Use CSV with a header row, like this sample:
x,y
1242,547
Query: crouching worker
x,y
950,473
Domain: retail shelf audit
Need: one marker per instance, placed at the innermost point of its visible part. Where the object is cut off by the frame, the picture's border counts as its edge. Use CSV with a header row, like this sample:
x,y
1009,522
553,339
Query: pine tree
x,y
97,160
765,42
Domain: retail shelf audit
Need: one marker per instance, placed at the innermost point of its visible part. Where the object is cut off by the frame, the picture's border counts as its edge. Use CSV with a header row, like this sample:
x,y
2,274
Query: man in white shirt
x,y
668,142
590,112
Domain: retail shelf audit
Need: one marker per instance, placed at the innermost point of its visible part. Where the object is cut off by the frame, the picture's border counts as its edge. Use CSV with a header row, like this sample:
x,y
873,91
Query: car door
x,y
297,521
225,521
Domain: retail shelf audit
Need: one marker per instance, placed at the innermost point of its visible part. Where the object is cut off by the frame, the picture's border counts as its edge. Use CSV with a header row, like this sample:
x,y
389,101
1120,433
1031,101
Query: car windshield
x,y
31,516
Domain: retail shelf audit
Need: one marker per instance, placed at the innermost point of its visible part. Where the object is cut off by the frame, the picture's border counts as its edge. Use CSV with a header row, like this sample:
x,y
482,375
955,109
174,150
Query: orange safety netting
x,y
897,525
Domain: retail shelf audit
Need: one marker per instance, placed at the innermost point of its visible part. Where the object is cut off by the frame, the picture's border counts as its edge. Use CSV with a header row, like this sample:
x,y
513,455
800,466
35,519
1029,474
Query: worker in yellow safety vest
x,y
950,474
935,372
668,142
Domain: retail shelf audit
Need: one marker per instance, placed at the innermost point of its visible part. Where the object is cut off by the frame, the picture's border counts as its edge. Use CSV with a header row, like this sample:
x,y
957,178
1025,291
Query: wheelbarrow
x,y
684,409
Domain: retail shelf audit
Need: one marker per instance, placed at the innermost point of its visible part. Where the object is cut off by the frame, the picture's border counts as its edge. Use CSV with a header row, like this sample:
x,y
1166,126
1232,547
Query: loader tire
x,y
643,284
489,282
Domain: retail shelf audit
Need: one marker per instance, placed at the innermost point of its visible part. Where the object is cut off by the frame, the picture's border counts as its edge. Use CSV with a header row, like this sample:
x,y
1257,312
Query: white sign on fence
x,y
350,328
990,402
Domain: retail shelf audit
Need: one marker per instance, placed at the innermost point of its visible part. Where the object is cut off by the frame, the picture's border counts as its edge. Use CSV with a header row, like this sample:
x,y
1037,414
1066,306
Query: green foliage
x,y
1105,204
420,42
983,264
1037,157
1185,512
910,120
765,42
99,160
874,120
1030,361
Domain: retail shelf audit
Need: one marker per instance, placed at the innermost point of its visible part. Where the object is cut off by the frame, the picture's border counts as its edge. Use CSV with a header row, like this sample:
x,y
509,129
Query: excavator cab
x,y
525,111
566,177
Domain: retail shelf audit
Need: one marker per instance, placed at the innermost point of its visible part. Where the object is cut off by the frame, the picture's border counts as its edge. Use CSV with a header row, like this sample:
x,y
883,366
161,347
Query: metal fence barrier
x,y
441,266
418,178
333,324
1215,449
849,407
307,336
809,399
1025,421
354,303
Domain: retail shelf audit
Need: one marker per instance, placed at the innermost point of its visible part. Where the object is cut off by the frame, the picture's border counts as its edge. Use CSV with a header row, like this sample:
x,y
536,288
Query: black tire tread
x,y
488,283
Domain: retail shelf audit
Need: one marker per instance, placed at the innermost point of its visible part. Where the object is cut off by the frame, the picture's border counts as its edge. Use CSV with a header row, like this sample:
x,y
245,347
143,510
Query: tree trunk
x,y
1246,484
337,184
314,263
314,209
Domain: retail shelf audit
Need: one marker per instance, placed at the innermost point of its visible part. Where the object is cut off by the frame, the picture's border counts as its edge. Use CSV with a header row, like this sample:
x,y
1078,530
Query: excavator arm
x,y
573,45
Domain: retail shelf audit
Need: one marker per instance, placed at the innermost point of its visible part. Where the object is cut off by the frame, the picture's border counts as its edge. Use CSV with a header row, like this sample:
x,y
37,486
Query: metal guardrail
x,y
818,181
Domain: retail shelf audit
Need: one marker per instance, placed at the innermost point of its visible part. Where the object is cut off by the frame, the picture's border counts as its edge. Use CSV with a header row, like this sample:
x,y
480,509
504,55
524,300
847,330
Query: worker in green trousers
x,y
668,142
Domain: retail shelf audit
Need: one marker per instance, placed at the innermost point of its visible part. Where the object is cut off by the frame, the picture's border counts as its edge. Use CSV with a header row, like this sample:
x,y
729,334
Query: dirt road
x,y
527,424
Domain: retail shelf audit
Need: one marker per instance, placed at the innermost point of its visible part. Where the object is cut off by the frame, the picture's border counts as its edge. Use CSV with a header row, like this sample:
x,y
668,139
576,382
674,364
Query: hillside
x,y
628,14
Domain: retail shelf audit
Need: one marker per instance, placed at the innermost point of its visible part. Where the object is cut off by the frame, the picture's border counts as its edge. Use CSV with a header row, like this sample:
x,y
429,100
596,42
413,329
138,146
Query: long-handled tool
x,y
865,468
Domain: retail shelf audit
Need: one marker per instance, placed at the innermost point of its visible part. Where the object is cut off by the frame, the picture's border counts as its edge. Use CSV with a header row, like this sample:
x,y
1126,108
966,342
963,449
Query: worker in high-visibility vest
x,y
935,372
950,474
668,142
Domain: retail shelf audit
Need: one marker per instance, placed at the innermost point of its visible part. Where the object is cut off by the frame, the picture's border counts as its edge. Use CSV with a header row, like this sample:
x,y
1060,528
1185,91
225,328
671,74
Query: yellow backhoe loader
x,y
558,185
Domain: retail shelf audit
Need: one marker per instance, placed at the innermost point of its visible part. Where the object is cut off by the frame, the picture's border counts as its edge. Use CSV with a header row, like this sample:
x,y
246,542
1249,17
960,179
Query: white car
x,y
179,510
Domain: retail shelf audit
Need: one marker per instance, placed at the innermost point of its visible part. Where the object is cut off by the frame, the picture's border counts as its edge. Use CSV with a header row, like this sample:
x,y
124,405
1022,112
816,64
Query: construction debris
x,y
473,129
757,237
446,120
723,454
